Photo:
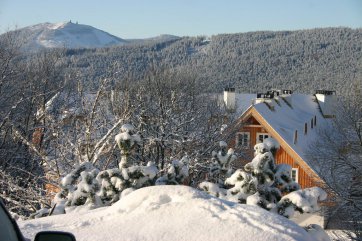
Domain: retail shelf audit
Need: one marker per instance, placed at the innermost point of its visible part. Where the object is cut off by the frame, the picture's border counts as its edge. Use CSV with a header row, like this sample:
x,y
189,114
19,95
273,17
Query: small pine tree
x,y
127,141
221,163
86,185
80,186
262,183
112,184
176,174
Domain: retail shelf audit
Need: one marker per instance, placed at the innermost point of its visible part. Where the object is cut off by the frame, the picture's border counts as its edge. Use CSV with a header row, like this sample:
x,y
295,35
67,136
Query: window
x,y
295,137
260,137
294,174
305,128
311,123
243,139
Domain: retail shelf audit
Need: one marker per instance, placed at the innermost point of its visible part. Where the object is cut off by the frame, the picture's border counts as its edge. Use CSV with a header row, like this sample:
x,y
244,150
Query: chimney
x,y
327,100
286,95
266,98
229,98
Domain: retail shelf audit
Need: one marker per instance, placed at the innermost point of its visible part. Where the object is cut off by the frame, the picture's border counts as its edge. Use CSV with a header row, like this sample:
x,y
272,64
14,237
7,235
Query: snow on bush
x,y
176,174
272,145
86,185
221,163
262,183
96,189
304,201
283,180
79,187
127,140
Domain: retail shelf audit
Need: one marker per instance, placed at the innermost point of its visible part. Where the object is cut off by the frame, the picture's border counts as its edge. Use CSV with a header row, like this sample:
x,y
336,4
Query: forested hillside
x,y
303,61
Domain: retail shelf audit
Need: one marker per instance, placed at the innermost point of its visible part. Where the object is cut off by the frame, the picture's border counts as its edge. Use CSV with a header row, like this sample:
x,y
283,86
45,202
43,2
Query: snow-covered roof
x,y
243,101
287,117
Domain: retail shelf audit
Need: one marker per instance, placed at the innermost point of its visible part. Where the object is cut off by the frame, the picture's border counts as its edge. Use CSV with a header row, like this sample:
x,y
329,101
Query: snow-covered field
x,y
170,213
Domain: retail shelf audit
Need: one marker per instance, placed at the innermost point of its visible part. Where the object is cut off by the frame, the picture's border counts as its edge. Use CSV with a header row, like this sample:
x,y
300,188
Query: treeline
x,y
305,60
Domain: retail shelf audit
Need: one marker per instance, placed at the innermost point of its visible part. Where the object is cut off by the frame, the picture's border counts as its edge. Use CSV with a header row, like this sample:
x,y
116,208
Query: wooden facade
x,y
254,125
304,180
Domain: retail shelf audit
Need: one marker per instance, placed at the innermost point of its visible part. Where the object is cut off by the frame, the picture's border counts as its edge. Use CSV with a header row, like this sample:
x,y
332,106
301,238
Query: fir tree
x,y
176,174
221,163
127,141
262,183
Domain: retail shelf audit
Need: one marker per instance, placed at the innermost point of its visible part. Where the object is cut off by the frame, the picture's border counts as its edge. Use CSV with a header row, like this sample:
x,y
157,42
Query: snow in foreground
x,y
170,213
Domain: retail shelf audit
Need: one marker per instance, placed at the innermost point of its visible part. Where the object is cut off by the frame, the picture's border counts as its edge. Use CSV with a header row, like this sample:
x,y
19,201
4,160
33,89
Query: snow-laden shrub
x,y
127,140
86,185
221,163
283,180
303,201
262,183
114,181
111,185
80,186
243,185
176,172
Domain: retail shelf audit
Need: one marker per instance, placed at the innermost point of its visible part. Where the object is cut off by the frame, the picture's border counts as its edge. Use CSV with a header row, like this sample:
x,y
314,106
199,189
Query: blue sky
x,y
147,18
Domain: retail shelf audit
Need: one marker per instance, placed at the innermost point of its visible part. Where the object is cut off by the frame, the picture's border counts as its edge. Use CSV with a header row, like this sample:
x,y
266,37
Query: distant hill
x,y
305,60
66,34
157,39
76,36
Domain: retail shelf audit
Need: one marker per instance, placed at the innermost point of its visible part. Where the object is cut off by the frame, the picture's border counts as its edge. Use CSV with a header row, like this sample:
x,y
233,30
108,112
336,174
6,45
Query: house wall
x,y
282,157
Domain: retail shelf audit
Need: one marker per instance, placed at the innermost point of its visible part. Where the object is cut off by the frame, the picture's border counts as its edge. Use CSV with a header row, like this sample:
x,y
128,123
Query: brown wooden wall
x,y
282,157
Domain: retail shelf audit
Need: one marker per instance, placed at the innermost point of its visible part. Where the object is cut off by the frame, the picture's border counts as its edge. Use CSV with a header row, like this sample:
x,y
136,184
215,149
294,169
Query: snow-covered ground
x,y
170,213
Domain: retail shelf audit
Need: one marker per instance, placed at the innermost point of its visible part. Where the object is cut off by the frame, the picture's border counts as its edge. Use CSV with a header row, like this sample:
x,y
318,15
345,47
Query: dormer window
x,y
315,120
305,128
311,123
295,137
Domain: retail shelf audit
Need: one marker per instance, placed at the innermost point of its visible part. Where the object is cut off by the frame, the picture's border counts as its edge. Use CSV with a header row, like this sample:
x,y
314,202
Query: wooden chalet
x,y
294,120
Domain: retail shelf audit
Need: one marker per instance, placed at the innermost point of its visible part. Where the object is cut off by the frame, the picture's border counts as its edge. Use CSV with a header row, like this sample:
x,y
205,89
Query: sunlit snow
x,y
171,213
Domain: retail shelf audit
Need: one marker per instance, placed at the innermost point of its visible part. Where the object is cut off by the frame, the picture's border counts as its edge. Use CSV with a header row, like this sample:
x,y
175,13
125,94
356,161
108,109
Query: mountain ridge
x,y
65,34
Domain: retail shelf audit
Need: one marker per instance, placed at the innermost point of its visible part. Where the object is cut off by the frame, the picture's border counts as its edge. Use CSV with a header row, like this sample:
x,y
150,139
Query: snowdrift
x,y
170,213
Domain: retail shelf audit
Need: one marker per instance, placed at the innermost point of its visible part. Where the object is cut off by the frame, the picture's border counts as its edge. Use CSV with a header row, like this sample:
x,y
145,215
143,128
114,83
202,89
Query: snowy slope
x,y
171,213
66,34
158,39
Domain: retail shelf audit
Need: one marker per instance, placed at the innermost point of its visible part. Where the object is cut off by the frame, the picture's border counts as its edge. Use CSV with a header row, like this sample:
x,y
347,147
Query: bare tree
x,y
26,83
338,156
172,113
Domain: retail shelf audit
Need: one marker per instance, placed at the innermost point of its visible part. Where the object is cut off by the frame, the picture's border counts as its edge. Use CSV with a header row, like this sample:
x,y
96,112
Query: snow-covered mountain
x,y
66,34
